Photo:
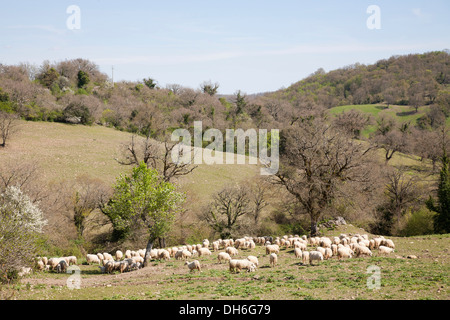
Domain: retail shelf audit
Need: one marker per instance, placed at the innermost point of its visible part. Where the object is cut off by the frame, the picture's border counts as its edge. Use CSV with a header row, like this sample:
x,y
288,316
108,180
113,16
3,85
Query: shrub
x,y
419,223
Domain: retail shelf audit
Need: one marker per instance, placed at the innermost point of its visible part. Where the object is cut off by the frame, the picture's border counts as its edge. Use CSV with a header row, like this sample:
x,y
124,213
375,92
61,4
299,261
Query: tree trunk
x,y
313,227
147,252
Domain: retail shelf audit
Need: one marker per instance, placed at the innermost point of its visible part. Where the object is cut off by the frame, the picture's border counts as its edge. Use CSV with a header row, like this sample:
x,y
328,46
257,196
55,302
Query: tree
x,y
83,79
143,201
226,210
48,77
352,122
20,223
209,88
8,125
316,163
442,208
150,83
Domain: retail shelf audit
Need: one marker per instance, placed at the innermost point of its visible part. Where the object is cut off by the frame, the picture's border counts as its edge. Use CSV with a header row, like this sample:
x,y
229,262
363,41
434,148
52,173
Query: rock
x,y
411,256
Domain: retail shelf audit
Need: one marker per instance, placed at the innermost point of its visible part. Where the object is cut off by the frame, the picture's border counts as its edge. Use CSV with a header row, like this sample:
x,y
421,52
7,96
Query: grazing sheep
x,y
223,256
123,266
253,259
315,256
384,250
238,265
193,265
232,251
127,254
92,258
107,256
344,252
53,263
204,252
272,248
321,250
205,243
72,260
305,257
164,255
109,266
273,259
298,253
328,253
119,255
362,251
389,243
61,267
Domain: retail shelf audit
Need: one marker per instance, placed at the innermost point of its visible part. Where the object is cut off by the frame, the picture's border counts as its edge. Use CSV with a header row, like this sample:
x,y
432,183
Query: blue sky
x,y
247,45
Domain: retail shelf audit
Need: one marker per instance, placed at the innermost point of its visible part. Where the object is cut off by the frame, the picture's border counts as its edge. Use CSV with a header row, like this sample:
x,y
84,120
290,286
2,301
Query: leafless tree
x,y
229,205
316,162
352,122
155,156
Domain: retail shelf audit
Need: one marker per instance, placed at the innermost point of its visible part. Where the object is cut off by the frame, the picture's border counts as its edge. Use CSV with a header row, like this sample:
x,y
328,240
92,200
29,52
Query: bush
x,y
79,112
419,223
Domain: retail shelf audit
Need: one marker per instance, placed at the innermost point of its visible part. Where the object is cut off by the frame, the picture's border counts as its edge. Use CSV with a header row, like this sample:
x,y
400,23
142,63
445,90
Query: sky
x,y
249,45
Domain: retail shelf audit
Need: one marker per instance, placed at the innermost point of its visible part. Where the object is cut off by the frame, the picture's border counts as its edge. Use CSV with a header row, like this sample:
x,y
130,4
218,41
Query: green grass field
x,y
401,278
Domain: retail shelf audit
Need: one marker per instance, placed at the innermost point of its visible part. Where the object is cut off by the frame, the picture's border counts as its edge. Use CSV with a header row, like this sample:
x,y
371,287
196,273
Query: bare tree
x,y
316,162
226,210
155,156
352,122
8,126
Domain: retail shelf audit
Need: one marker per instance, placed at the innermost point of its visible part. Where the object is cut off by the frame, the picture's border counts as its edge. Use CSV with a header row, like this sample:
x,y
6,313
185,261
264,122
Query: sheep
x,y
238,265
204,252
315,255
61,267
305,257
273,248
107,256
273,259
384,250
72,260
215,245
119,255
298,253
24,271
53,263
127,254
344,252
179,254
254,260
328,253
223,256
123,266
164,255
232,251
321,250
40,264
205,243
194,265
362,251
389,243
109,266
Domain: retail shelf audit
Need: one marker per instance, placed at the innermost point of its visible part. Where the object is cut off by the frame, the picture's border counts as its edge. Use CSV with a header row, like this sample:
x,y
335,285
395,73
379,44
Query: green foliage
x,y
150,83
75,110
83,79
143,200
419,223
442,208
49,77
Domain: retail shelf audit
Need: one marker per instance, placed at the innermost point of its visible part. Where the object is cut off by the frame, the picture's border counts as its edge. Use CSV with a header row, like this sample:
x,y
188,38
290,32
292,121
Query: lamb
x,y
194,265
273,259
223,256
384,250
253,259
315,255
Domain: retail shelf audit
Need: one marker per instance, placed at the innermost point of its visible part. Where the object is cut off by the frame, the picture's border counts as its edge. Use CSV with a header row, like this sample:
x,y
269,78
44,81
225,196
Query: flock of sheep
x,y
320,248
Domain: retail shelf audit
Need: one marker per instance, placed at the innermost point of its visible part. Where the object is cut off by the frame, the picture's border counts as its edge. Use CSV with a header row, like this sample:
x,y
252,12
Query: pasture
x,y
401,278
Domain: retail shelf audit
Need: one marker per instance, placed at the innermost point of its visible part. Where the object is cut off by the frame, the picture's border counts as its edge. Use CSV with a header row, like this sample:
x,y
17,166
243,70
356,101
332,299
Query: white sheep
x,y
119,255
389,243
272,248
384,250
72,260
232,251
254,260
305,257
315,256
344,252
328,253
61,267
164,255
298,253
239,264
362,251
223,256
194,265
204,252
273,259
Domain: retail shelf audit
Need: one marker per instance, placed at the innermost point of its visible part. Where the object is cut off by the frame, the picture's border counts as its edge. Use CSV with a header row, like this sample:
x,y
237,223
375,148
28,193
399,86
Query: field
x,y
401,278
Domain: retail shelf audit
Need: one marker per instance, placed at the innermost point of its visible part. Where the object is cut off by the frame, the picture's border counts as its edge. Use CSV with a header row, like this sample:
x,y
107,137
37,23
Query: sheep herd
x,y
306,249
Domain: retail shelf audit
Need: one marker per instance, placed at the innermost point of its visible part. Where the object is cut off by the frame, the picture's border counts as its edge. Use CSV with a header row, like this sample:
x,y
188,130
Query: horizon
x,y
255,47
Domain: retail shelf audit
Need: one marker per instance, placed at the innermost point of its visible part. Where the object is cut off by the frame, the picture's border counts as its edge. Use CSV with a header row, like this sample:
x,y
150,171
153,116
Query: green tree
x,y
48,77
442,208
143,200
151,83
83,79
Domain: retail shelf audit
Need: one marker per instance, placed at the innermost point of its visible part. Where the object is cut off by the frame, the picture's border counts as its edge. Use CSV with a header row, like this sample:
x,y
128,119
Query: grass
x,y
401,278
